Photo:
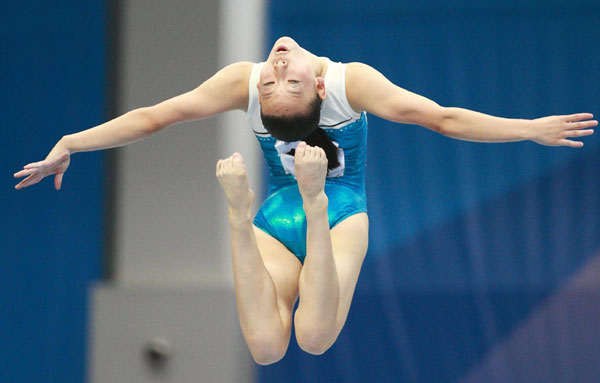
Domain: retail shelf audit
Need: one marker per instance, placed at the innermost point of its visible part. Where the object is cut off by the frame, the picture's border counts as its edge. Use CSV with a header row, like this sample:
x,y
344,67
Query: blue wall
x,y
53,80
466,240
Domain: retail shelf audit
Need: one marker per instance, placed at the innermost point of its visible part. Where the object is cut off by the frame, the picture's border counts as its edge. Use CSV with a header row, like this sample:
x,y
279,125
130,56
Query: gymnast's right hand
x,y
55,163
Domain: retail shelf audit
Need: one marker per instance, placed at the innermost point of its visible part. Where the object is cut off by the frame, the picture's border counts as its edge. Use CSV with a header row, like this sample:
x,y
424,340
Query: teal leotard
x,y
281,214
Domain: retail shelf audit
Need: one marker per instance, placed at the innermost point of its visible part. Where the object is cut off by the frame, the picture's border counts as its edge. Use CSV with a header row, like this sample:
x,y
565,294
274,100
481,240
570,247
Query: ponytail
x,y
319,138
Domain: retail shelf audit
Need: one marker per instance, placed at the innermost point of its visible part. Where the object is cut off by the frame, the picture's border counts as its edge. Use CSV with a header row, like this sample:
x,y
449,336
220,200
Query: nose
x,y
281,63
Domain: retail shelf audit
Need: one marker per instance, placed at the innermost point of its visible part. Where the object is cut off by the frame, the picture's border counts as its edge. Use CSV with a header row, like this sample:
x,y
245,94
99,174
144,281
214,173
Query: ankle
x,y
316,204
239,217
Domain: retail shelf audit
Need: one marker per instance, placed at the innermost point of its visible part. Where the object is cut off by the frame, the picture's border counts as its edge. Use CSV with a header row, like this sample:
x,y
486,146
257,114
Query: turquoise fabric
x,y
281,214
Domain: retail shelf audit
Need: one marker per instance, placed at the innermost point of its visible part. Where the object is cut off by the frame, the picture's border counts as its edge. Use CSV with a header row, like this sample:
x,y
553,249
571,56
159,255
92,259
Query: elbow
x,y
147,121
430,115
442,127
444,122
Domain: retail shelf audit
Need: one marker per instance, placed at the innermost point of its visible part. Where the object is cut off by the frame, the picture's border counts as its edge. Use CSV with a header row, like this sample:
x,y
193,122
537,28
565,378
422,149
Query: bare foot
x,y
311,169
231,173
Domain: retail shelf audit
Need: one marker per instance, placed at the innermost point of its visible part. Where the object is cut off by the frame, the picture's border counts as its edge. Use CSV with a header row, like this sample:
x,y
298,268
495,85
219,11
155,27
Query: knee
x,y
266,350
314,339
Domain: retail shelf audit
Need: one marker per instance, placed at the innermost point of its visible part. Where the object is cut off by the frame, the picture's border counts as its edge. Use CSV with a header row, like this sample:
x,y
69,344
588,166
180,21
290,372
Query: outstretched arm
x,y
369,90
226,90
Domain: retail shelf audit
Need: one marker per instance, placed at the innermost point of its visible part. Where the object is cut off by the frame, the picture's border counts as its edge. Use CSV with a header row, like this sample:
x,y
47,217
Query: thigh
x,y
284,269
349,240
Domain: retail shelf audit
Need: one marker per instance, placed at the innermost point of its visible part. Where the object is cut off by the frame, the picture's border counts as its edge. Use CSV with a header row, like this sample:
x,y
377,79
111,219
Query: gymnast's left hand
x,y
55,163
559,130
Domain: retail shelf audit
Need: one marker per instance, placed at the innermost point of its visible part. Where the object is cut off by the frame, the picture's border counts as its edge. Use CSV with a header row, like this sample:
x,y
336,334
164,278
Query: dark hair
x,y
303,127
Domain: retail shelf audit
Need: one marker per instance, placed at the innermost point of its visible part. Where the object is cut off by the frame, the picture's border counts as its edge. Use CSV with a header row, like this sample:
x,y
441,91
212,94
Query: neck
x,y
318,64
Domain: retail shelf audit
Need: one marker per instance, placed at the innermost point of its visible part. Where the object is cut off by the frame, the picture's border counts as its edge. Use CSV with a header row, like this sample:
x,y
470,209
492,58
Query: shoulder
x,y
229,86
357,74
357,79
355,70
236,74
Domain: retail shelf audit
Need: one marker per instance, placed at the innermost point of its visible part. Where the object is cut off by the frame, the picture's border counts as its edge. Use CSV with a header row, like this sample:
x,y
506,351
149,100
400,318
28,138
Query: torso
x,y
345,126
281,215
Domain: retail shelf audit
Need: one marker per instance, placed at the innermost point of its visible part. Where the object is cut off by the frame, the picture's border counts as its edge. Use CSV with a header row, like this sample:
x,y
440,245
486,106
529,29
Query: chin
x,y
286,38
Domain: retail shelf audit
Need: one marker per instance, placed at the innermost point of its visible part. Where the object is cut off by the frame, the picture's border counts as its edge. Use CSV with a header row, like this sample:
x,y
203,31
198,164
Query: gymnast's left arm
x,y
368,90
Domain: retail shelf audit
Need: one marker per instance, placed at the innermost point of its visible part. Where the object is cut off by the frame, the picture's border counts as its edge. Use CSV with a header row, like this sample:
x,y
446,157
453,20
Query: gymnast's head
x,y
290,92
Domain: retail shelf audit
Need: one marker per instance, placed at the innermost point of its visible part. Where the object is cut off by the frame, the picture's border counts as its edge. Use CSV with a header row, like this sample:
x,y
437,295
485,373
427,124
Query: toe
x,y
300,149
320,152
317,152
238,159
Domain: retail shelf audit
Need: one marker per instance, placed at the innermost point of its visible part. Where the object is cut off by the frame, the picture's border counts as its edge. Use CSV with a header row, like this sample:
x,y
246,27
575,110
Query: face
x,y
287,81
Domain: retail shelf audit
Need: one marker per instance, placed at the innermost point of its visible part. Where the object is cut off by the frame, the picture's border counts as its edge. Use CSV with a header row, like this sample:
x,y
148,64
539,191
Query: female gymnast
x,y
310,236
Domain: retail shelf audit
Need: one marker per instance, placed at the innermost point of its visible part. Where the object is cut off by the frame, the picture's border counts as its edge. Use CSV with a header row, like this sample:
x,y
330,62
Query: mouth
x,y
281,49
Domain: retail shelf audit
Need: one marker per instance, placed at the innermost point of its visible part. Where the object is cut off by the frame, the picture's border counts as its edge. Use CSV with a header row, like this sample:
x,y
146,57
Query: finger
x,y
31,180
35,164
581,125
24,173
58,181
579,133
572,144
579,117
60,158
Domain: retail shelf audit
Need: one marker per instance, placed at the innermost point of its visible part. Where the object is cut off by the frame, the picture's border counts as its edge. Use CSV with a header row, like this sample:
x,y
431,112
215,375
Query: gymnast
x,y
309,238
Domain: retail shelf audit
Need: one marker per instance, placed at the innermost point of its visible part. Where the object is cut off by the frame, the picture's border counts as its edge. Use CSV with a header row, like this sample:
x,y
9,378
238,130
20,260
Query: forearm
x,y
468,125
129,127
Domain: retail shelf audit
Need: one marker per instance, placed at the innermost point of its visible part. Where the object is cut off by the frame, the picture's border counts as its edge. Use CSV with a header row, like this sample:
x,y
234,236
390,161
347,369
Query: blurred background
x,y
484,259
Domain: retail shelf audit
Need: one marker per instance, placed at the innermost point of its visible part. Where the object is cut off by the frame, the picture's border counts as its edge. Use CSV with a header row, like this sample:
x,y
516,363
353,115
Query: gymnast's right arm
x,y
226,90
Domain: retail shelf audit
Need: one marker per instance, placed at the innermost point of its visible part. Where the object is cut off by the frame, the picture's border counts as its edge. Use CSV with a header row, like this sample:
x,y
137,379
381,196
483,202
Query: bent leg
x,y
265,290
350,239
333,258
